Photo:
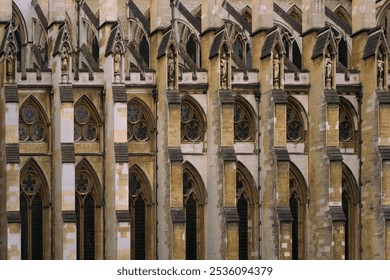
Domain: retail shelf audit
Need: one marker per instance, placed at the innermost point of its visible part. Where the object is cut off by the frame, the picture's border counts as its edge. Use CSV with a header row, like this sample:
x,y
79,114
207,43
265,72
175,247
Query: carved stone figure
x,y
328,71
276,70
171,71
224,70
117,63
10,66
64,64
380,69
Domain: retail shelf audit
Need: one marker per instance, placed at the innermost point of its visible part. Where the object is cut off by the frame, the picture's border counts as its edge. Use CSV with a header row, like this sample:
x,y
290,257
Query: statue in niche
x,y
328,71
276,70
224,70
117,63
380,71
64,64
10,66
171,71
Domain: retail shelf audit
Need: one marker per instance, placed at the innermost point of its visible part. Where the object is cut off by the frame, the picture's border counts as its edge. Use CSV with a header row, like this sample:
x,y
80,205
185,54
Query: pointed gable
x,y
325,38
376,38
9,39
219,39
166,41
63,38
273,38
116,38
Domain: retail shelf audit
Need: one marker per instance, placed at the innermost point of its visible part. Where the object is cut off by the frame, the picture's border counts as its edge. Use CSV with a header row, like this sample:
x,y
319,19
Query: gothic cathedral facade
x,y
194,129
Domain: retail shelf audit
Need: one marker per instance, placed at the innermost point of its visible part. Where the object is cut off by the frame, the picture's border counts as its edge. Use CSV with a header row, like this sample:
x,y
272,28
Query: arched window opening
x,y
346,122
139,125
32,122
144,50
343,52
140,206
350,205
296,57
297,203
191,49
243,123
192,122
33,189
247,200
86,121
95,49
238,48
193,203
291,47
87,202
19,53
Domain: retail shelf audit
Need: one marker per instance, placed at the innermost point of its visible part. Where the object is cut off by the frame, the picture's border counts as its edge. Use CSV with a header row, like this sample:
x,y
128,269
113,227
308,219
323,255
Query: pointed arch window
x,y
295,124
144,49
291,47
95,49
246,197
139,124
350,205
298,202
33,211
346,127
32,122
86,121
192,121
140,213
244,127
87,202
193,202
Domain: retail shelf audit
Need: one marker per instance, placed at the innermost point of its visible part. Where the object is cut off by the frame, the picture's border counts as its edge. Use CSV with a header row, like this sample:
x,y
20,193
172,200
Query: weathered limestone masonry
x,y
9,193
368,45
326,216
194,129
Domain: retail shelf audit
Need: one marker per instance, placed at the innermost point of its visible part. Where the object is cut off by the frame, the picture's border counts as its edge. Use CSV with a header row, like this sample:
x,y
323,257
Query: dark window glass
x,y
24,226
140,232
191,48
242,209
248,57
89,228
78,227
144,50
343,52
297,58
37,229
238,49
95,49
191,247
19,53
294,213
346,210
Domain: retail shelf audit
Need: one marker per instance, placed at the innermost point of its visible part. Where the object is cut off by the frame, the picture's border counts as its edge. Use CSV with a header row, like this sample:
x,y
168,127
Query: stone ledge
x,y
384,152
11,94
331,96
121,152
12,153
66,94
123,216
231,214
383,97
175,154
226,97
279,96
67,153
386,212
284,214
173,97
228,154
119,94
281,154
334,153
337,213
177,215
69,216
13,217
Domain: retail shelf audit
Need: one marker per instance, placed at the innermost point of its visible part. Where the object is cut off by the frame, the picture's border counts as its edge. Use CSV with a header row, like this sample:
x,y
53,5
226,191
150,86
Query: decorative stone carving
x,y
276,71
380,71
10,65
328,71
171,70
117,63
224,70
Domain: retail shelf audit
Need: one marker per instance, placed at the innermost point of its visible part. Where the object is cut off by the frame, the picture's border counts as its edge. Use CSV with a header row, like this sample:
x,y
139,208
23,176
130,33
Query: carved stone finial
x,y
380,71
